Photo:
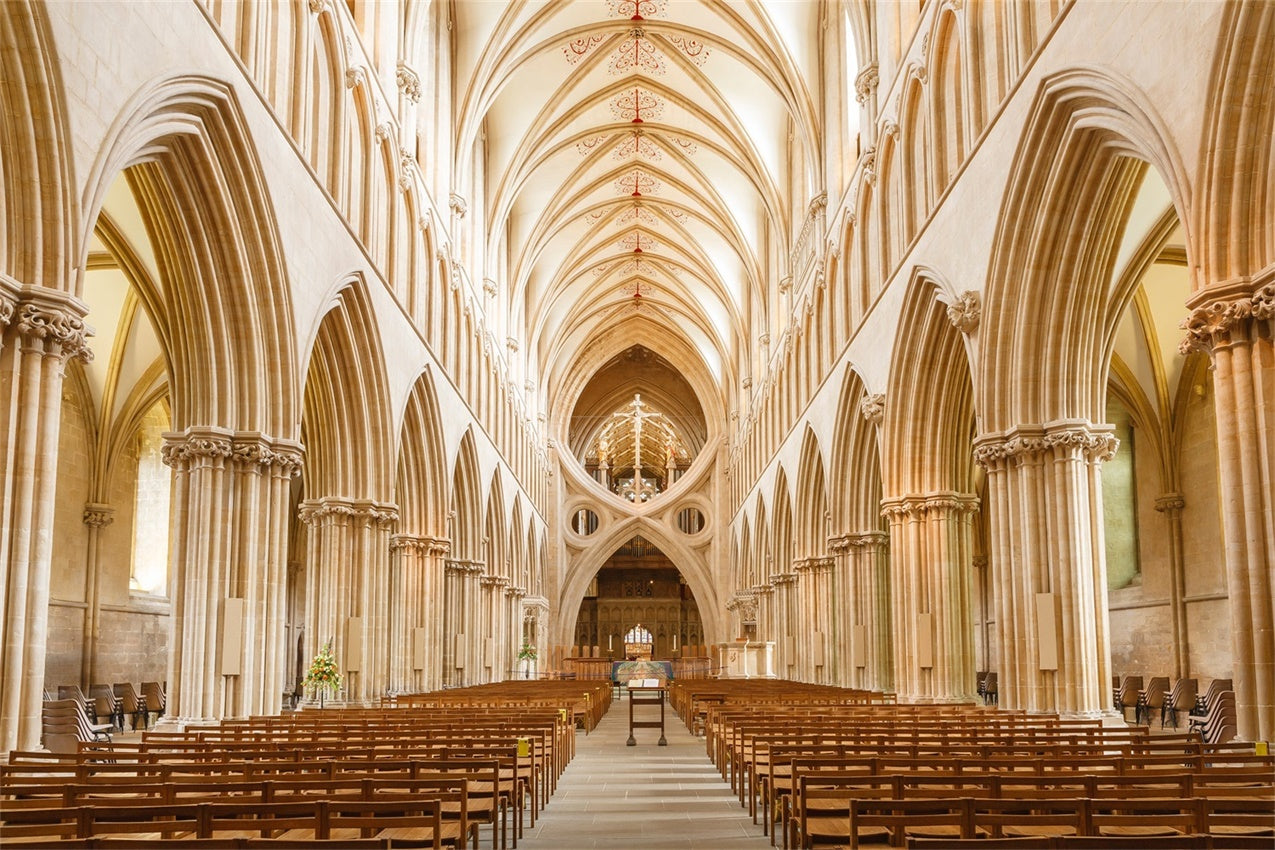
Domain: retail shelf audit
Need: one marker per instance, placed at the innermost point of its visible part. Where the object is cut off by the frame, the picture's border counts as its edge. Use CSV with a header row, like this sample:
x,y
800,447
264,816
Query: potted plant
x,y
527,659
323,675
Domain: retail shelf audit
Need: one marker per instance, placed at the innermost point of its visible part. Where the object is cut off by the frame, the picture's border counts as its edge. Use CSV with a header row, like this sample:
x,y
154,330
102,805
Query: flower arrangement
x,y
323,675
527,653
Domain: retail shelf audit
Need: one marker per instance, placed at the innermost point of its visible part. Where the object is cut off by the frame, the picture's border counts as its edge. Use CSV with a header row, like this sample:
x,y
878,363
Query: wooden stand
x,y
646,696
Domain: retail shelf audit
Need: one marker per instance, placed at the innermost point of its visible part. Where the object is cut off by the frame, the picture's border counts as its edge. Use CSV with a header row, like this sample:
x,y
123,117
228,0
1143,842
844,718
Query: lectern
x,y
646,695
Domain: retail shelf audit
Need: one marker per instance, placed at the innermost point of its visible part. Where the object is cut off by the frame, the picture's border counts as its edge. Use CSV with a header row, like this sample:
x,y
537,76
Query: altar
x,y
747,659
624,671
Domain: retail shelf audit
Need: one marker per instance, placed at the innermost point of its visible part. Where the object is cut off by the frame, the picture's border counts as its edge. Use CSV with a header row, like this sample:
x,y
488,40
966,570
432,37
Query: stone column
x,y
416,612
1048,565
1234,323
464,621
841,621
931,551
96,516
871,609
1171,505
41,330
228,551
348,567
815,607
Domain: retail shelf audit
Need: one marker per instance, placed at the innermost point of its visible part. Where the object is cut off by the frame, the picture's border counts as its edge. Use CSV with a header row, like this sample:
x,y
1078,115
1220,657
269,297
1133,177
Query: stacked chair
x,y
1180,699
130,703
1152,699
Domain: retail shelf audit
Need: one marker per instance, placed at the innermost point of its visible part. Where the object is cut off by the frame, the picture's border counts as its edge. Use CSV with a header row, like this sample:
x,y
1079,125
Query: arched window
x,y
149,573
638,634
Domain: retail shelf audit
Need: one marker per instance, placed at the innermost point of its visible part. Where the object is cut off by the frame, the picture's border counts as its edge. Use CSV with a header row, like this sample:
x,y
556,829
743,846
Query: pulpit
x,y
747,659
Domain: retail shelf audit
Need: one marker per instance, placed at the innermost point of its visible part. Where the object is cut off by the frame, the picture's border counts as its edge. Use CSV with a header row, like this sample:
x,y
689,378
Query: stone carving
x,y
1216,319
180,450
866,83
1170,502
314,512
409,82
97,515
458,205
57,326
355,76
994,449
965,312
873,407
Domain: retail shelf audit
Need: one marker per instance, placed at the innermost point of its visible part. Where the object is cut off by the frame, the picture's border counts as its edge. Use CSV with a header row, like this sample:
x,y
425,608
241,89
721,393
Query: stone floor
x,y
648,797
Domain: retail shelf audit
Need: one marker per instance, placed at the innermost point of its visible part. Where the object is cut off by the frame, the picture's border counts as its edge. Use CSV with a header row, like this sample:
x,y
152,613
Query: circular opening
x,y
584,522
690,520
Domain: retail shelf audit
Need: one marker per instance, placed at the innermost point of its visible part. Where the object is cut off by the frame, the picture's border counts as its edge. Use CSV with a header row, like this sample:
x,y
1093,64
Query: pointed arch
x,y
929,411
855,461
421,485
466,512
812,508
37,212
346,417
1074,179
184,146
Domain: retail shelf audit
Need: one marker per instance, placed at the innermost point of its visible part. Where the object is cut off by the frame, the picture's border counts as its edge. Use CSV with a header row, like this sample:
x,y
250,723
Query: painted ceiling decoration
x,y
645,167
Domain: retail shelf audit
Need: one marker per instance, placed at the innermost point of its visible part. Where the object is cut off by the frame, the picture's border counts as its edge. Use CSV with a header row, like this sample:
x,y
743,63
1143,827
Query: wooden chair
x,y
156,699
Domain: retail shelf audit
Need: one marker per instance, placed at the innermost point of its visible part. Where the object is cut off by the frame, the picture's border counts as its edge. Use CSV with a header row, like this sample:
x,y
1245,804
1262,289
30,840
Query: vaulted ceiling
x,y
642,166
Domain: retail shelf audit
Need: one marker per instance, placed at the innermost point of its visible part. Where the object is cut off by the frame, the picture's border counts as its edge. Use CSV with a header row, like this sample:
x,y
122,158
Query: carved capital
x,y
354,76
1230,312
964,313
873,407
196,445
980,562
458,205
409,82
8,300
1170,503
97,515
51,321
1029,443
252,449
316,512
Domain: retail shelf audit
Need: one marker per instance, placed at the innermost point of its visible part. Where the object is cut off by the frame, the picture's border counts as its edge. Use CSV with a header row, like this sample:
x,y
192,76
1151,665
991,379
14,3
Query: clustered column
x,y
814,614
416,622
97,516
931,541
460,626
861,577
228,552
347,597
1234,324
41,330
1048,566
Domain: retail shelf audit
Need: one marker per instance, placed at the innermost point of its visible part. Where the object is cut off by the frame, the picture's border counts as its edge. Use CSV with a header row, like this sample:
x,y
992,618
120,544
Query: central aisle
x,y
656,798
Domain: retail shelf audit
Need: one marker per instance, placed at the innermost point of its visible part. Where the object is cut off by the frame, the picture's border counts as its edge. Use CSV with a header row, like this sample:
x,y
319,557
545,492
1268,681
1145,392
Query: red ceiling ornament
x,y
695,50
637,184
636,105
687,146
637,290
638,242
582,47
635,54
587,146
637,145
638,9
637,213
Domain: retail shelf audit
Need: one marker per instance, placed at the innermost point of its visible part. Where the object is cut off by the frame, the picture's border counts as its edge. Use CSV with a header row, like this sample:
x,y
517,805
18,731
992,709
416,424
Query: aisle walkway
x,y
649,797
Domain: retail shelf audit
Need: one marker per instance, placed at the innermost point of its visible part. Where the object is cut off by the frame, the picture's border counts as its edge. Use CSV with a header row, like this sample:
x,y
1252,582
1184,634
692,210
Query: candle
x,y
675,641
610,642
